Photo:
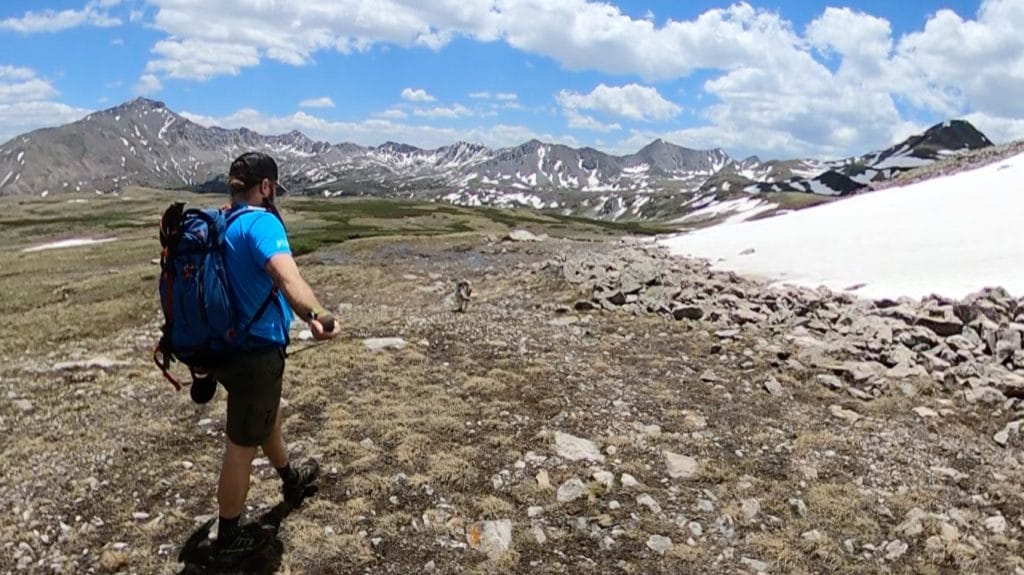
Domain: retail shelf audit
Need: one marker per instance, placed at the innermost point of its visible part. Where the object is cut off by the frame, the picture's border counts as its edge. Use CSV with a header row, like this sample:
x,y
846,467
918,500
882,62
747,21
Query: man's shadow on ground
x,y
266,560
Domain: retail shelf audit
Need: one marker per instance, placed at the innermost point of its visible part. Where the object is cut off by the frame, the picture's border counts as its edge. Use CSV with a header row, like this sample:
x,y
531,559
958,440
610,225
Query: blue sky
x,y
779,78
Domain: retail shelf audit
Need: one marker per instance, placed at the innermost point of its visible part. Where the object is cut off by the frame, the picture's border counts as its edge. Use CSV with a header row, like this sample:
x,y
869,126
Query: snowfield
x,y
949,236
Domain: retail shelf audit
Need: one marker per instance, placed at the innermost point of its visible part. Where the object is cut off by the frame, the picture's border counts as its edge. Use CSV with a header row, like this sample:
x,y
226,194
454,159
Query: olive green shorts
x,y
253,381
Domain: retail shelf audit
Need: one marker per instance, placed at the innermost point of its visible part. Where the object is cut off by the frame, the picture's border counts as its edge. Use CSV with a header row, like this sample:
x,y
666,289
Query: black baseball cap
x,y
252,168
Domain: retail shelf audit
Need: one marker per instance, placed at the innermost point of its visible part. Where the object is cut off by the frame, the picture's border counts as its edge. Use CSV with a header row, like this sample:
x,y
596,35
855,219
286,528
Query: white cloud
x,y
148,84
456,111
95,13
831,88
376,131
27,103
393,114
323,102
200,59
630,101
506,96
584,122
417,95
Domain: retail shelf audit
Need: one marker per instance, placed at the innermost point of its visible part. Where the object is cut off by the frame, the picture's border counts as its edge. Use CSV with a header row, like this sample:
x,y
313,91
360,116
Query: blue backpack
x,y
200,318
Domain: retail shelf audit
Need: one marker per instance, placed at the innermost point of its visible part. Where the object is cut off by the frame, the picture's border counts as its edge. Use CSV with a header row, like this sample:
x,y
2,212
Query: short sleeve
x,y
268,238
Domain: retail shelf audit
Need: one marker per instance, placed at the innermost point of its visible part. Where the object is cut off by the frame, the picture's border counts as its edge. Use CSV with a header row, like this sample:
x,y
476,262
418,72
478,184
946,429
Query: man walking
x,y
268,289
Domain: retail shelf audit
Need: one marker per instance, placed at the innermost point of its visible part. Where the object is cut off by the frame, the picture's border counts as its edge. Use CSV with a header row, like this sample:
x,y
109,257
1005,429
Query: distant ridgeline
x,y
143,143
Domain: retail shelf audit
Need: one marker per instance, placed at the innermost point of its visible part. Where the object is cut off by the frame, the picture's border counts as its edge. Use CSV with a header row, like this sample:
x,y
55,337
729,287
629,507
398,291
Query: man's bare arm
x,y
285,274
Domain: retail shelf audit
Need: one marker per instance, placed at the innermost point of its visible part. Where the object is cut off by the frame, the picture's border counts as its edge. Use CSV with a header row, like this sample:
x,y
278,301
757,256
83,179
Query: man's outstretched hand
x,y
324,327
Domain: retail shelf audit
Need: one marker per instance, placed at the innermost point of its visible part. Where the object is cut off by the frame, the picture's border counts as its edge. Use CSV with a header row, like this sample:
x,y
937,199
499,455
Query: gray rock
x,y
830,381
577,448
384,343
523,236
895,549
659,544
637,275
23,405
649,502
773,386
755,565
494,538
996,524
681,466
571,490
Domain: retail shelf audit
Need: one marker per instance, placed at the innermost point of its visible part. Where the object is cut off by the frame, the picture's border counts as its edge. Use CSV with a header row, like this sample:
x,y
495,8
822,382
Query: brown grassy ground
x,y
412,440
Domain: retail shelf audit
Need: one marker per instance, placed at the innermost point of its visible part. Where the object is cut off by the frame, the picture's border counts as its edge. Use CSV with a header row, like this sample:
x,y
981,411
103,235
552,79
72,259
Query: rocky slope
x,y
142,142
600,407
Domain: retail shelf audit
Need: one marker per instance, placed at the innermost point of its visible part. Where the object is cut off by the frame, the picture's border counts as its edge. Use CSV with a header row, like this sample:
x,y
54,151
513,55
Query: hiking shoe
x,y
302,487
203,388
249,540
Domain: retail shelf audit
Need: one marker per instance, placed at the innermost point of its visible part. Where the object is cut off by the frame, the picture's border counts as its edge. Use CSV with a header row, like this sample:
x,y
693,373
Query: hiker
x,y
258,260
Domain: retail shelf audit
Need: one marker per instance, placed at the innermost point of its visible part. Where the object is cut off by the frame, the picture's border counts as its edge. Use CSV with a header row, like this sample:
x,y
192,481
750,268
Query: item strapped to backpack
x,y
200,316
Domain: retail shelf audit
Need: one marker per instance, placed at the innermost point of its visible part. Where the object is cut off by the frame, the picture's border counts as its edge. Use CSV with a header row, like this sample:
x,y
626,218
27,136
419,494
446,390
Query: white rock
x,y
538,534
140,516
996,524
755,565
814,536
681,466
649,502
577,448
366,443
571,490
494,538
605,478
24,405
628,481
659,544
384,343
750,508
523,236
305,335
925,412
613,505
840,413
534,511
773,387
543,480
895,549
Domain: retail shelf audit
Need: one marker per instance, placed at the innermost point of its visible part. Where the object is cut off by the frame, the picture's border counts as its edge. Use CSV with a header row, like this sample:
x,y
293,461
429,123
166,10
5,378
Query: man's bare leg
x,y
233,486
274,447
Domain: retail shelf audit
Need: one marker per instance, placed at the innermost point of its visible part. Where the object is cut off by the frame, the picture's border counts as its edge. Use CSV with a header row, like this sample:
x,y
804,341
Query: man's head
x,y
254,173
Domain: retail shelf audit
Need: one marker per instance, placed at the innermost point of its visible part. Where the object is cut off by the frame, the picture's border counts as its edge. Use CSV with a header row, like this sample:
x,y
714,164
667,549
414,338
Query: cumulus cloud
x,y
585,122
830,88
148,84
28,102
95,13
630,101
456,111
323,102
417,95
375,131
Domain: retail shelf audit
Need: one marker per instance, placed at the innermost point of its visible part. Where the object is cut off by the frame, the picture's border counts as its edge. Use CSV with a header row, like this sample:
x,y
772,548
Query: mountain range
x,y
142,142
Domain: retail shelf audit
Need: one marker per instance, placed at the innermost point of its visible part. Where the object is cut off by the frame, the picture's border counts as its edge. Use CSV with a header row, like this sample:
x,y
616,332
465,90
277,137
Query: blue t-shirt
x,y
253,238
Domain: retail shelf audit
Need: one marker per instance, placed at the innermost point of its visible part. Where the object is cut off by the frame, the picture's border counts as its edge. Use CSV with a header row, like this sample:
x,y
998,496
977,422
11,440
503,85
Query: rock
x,y
493,538
649,502
606,478
750,508
945,325
384,343
925,412
113,561
690,312
23,405
798,506
755,565
814,536
845,414
535,511
895,549
773,387
305,335
681,466
638,275
830,381
1002,437
538,534
94,363
577,448
523,236
996,524
659,544
571,490
628,481
543,480
949,472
